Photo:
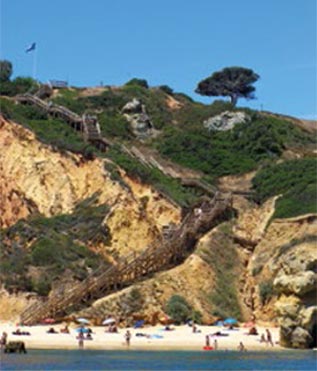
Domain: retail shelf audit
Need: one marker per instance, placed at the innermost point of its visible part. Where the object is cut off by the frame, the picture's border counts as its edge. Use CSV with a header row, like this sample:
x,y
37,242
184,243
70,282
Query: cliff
x,y
65,215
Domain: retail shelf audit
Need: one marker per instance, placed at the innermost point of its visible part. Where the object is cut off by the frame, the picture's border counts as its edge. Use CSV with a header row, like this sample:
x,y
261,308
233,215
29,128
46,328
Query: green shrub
x,y
266,291
166,89
19,85
295,180
114,126
58,244
42,286
178,309
138,82
5,70
133,302
181,311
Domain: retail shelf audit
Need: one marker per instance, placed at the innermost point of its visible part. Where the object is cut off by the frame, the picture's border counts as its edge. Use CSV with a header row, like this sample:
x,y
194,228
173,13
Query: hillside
x,y
70,206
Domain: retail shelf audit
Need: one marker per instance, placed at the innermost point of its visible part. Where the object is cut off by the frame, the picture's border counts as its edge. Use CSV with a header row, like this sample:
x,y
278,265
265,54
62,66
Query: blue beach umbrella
x,y
230,321
82,329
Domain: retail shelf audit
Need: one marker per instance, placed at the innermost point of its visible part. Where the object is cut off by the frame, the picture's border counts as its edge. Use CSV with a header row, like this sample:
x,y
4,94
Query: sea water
x,y
46,360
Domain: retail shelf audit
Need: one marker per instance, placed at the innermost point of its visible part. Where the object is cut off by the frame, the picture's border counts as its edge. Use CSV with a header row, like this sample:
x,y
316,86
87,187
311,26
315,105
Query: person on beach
x,y
65,330
241,347
215,344
81,340
127,337
269,340
262,339
207,341
3,340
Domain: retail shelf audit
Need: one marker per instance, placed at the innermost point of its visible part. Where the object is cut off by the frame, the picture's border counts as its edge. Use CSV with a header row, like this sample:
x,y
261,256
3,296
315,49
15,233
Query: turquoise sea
x,y
46,360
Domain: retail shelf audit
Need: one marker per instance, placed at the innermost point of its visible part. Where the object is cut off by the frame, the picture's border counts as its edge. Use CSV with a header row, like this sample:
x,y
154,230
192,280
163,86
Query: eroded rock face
x,y
140,123
299,284
283,268
34,178
226,120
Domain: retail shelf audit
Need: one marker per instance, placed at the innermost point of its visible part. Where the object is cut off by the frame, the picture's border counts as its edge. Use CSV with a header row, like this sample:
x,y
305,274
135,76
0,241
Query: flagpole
x,y
34,63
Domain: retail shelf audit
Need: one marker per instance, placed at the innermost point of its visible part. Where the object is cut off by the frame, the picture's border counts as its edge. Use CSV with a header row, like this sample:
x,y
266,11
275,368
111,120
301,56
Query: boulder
x,y
288,306
308,317
134,106
226,120
301,338
299,284
140,123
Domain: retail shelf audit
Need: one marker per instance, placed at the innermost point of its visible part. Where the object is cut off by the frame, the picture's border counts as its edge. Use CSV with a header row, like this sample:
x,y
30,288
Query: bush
x,y
133,302
166,89
139,82
5,70
19,85
58,244
266,291
295,180
178,309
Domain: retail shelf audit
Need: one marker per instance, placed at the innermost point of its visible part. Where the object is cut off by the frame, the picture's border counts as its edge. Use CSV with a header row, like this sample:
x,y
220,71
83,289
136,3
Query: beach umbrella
x,y
230,321
82,320
249,324
109,321
48,320
82,329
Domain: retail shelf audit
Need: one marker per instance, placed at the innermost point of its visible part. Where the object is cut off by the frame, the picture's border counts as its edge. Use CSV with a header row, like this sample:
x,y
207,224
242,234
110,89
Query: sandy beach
x,y
152,338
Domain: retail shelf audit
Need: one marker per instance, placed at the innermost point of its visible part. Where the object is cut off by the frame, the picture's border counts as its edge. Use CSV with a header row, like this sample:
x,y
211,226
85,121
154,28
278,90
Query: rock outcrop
x,y
284,266
140,123
226,120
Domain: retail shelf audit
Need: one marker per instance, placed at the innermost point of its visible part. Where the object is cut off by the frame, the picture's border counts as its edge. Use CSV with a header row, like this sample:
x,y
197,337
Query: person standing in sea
x,y
269,340
127,337
81,340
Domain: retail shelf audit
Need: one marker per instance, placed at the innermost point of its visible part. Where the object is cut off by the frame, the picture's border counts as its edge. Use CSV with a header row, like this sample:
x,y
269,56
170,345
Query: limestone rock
x,y
251,223
140,123
226,120
308,318
288,306
299,284
301,338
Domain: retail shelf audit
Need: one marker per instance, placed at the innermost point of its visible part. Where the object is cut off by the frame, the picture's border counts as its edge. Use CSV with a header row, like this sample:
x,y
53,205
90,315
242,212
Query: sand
x,y
181,338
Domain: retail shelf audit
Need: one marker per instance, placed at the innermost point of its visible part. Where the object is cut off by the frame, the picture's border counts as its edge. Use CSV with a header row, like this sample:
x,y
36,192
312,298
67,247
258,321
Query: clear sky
x,y
169,42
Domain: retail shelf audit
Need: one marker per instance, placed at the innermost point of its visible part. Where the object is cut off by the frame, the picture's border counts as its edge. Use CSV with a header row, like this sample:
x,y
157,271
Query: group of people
x,y
265,338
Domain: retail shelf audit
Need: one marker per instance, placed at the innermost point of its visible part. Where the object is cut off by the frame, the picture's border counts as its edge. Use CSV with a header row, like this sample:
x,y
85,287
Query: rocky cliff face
x,y
283,268
34,177
270,266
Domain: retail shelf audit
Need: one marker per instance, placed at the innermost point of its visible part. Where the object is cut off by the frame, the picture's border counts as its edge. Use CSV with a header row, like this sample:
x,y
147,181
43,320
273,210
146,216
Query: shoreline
x,y
147,338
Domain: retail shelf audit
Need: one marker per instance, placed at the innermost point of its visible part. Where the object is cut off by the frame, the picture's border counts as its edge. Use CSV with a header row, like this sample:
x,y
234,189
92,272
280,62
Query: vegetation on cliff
x,y
295,181
37,251
45,249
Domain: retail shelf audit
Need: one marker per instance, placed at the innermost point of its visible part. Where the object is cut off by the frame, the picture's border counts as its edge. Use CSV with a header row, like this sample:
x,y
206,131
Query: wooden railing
x,y
163,254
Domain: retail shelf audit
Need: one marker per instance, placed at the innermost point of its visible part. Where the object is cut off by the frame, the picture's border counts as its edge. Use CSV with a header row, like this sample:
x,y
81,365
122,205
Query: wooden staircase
x,y
86,124
163,254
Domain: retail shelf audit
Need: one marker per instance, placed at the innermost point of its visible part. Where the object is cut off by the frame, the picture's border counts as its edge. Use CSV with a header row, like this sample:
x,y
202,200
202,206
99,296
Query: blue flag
x,y
31,47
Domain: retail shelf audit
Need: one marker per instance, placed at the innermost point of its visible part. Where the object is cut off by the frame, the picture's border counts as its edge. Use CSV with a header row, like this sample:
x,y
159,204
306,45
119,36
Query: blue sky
x,y
169,42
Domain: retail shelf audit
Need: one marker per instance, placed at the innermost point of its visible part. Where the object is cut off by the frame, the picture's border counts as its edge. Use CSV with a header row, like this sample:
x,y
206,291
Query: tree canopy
x,y
5,70
233,82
